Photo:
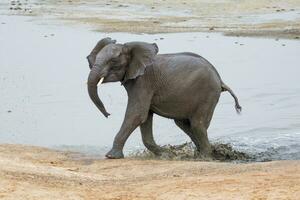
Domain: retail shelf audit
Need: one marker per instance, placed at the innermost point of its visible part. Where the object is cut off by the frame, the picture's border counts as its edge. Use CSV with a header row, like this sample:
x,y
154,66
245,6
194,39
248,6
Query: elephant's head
x,y
111,62
102,43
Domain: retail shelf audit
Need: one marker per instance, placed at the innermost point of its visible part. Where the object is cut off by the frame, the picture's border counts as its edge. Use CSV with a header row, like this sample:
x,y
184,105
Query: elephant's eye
x,y
116,67
114,60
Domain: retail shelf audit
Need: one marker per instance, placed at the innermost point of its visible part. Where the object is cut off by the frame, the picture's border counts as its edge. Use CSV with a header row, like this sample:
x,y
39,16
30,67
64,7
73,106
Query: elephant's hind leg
x,y
201,140
199,125
186,127
195,133
147,136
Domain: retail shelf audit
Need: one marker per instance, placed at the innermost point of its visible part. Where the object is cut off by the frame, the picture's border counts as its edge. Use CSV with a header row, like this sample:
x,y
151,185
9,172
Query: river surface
x,y
44,100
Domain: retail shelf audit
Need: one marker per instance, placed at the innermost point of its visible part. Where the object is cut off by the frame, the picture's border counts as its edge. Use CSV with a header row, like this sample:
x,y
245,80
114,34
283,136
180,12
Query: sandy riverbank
x,y
265,18
28,172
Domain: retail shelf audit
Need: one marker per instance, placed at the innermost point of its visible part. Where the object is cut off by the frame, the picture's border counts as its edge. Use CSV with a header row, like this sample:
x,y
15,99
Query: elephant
x,y
182,86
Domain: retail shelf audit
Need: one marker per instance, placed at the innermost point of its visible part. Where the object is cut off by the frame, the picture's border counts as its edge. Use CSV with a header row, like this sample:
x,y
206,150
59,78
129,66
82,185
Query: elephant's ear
x,y
142,55
102,43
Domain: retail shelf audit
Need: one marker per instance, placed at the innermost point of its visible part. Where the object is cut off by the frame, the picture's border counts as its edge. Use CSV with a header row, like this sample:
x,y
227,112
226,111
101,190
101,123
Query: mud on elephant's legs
x,y
147,136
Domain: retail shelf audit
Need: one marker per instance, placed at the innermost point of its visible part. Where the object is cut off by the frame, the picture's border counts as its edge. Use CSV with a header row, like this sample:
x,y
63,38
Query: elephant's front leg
x,y
136,114
147,136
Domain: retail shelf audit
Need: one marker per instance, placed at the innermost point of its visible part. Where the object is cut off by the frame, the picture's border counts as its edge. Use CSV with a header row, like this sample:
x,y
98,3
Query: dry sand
x,y
267,18
28,172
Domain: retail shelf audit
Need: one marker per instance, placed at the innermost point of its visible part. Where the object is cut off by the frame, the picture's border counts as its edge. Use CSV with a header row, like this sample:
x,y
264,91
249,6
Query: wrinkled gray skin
x,y
181,86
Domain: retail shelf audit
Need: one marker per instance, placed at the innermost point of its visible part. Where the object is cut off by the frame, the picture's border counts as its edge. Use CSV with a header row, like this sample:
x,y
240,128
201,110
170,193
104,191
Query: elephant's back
x,y
186,65
184,60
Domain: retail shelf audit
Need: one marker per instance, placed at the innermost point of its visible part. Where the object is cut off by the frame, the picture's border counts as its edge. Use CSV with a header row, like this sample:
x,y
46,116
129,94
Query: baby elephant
x,y
180,86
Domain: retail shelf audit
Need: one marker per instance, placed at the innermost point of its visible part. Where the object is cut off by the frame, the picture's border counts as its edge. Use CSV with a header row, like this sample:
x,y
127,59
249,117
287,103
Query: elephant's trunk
x,y
93,80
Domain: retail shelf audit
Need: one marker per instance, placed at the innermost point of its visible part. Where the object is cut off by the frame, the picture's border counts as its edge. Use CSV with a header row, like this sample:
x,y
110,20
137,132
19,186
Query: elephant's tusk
x,y
101,80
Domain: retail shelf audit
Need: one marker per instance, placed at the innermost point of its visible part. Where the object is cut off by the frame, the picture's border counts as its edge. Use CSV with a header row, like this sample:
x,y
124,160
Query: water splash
x,y
187,151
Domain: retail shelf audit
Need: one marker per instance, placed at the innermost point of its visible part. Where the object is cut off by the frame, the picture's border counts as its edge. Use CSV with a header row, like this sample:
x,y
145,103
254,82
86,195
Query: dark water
x,y
43,97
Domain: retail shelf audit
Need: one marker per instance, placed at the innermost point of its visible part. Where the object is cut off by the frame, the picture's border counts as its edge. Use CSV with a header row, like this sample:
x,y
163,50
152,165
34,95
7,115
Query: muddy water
x,y
44,100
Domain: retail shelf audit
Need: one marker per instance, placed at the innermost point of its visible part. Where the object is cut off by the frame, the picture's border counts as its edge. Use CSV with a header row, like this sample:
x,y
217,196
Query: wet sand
x,y
245,18
28,172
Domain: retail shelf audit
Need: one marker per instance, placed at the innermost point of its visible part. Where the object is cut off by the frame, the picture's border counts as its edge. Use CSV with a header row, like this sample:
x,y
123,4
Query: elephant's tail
x,y
238,108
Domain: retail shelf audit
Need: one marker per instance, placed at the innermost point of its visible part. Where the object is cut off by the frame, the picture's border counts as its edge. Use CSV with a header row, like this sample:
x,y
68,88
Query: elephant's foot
x,y
114,154
203,154
156,150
